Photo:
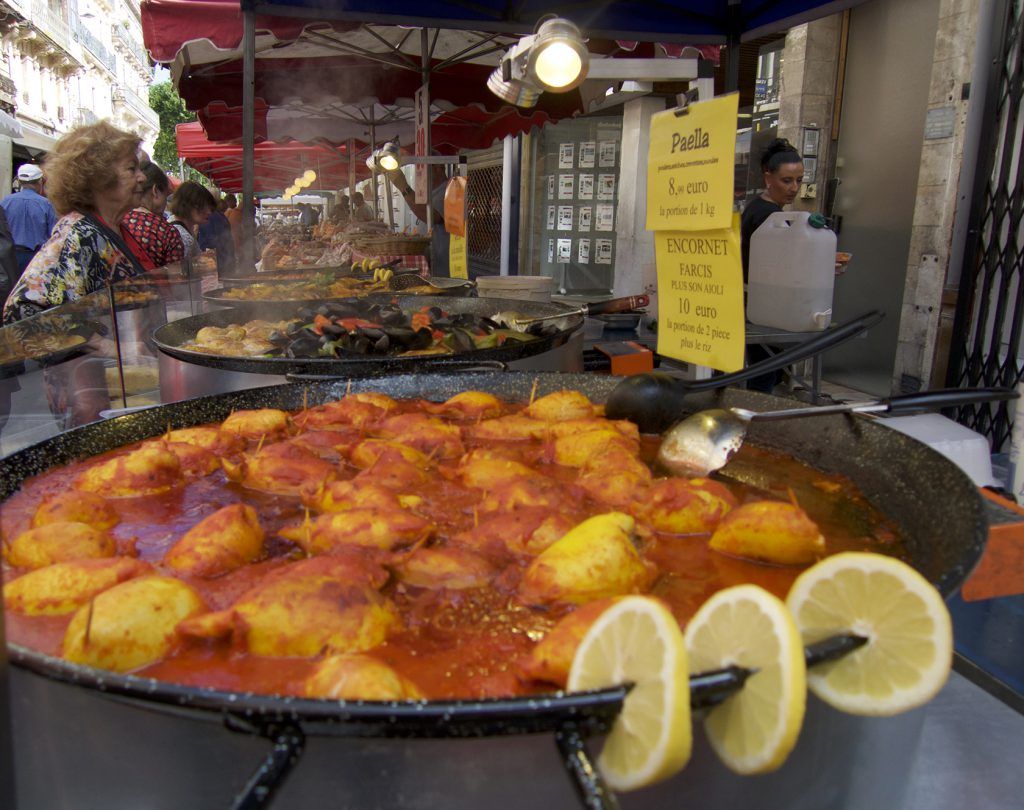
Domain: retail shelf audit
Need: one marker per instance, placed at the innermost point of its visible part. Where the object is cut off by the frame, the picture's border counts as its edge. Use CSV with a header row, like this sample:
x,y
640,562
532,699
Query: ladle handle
x,y
905,403
655,400
630,302
947,398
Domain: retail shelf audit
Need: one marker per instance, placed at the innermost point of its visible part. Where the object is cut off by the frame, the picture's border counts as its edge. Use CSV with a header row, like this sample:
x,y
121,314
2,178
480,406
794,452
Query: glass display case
x,y
89,358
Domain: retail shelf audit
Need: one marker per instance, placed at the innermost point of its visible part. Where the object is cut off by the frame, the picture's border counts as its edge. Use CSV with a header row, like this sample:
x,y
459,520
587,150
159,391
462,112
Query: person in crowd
x,y
8,275
158,242
233,214
782,169
361,212
341,213
9,270
439,241
190,207
309,215
30,215
94,179
215,234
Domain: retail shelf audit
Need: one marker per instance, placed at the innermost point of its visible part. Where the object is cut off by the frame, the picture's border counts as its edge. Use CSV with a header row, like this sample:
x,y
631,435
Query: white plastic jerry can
x,y
792,272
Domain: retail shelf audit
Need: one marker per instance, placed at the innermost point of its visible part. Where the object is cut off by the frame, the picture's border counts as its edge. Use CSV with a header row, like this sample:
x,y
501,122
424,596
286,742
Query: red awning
x,y
168,24
277,165
321,85
314,79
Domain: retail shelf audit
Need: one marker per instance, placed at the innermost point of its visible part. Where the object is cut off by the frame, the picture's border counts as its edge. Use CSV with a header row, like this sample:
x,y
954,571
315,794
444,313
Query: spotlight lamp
x,y
558,59
555,59
388,157
309,176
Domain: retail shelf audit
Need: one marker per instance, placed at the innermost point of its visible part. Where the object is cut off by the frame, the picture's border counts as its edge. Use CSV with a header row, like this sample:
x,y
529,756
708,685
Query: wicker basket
x,y
392,245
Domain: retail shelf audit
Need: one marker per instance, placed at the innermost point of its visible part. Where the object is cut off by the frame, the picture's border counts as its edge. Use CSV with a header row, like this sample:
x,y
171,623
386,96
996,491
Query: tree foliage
x,y
168,105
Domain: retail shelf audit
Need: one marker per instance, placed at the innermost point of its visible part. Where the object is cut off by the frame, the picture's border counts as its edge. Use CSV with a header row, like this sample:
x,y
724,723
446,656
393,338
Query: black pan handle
x,y
289,742
946,398
627,304
591,789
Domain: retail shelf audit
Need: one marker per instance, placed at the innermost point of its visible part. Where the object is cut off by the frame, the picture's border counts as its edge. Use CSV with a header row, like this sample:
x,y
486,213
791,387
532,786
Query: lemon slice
x,y
637,640
910,638
754,730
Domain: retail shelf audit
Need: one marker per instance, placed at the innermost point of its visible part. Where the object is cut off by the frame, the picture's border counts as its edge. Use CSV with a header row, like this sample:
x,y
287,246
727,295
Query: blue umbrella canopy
x,y
705,21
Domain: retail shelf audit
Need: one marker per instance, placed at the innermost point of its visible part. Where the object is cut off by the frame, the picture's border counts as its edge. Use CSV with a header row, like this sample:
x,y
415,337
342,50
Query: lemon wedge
x,y
910,638
754,730
637,640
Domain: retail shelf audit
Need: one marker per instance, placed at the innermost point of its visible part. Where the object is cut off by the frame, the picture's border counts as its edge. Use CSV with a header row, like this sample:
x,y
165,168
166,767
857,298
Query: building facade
x,y
64,63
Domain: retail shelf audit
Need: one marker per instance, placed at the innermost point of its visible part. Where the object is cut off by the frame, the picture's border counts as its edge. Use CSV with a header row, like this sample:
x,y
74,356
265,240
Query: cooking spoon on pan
x,y
519,322
654,400
705,441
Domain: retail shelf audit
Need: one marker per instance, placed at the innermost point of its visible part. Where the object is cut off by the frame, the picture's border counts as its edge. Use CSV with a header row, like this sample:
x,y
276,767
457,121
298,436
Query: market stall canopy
x,y
277,165
469,127
708,21
340,97
323,79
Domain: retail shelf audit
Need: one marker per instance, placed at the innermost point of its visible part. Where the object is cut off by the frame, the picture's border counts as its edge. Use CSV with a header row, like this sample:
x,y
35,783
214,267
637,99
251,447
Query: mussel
x,y
304,347
463,340
422,340
401,337
333,330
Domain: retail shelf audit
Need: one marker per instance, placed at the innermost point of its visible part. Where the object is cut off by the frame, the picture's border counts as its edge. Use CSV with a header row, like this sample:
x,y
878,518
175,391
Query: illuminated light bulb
x,y
558,65
388,163
309,176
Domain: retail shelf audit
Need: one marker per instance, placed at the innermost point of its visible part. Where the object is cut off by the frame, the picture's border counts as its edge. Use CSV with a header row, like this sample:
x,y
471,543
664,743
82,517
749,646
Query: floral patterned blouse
x,y
76,260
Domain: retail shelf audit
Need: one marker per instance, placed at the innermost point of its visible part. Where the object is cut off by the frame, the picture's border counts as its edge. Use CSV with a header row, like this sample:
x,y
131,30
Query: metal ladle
x,y
654,400
705,441
519,322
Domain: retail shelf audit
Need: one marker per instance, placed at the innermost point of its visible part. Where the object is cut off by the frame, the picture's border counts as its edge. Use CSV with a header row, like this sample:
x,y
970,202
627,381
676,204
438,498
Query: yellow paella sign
x,y
690,166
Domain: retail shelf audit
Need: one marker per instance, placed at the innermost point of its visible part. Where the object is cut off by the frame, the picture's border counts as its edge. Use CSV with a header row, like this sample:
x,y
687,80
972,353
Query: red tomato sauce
x,y
454,644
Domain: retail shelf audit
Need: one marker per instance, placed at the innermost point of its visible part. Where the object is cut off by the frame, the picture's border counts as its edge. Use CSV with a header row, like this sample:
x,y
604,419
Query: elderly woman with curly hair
x,y
93,180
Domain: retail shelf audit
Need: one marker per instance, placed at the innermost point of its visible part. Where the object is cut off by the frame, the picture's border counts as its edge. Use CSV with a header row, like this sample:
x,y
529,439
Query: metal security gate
x,y
483,210
986,347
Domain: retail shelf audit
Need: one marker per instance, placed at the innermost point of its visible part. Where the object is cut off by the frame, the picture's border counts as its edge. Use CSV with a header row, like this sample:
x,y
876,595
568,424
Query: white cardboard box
x,y
966,448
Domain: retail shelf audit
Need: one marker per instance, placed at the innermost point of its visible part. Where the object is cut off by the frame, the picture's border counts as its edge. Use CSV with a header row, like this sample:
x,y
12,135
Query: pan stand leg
x,y
289,742
590,787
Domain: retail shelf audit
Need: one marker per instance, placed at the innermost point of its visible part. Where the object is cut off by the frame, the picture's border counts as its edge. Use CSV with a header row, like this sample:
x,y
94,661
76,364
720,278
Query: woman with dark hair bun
x,y
783,169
